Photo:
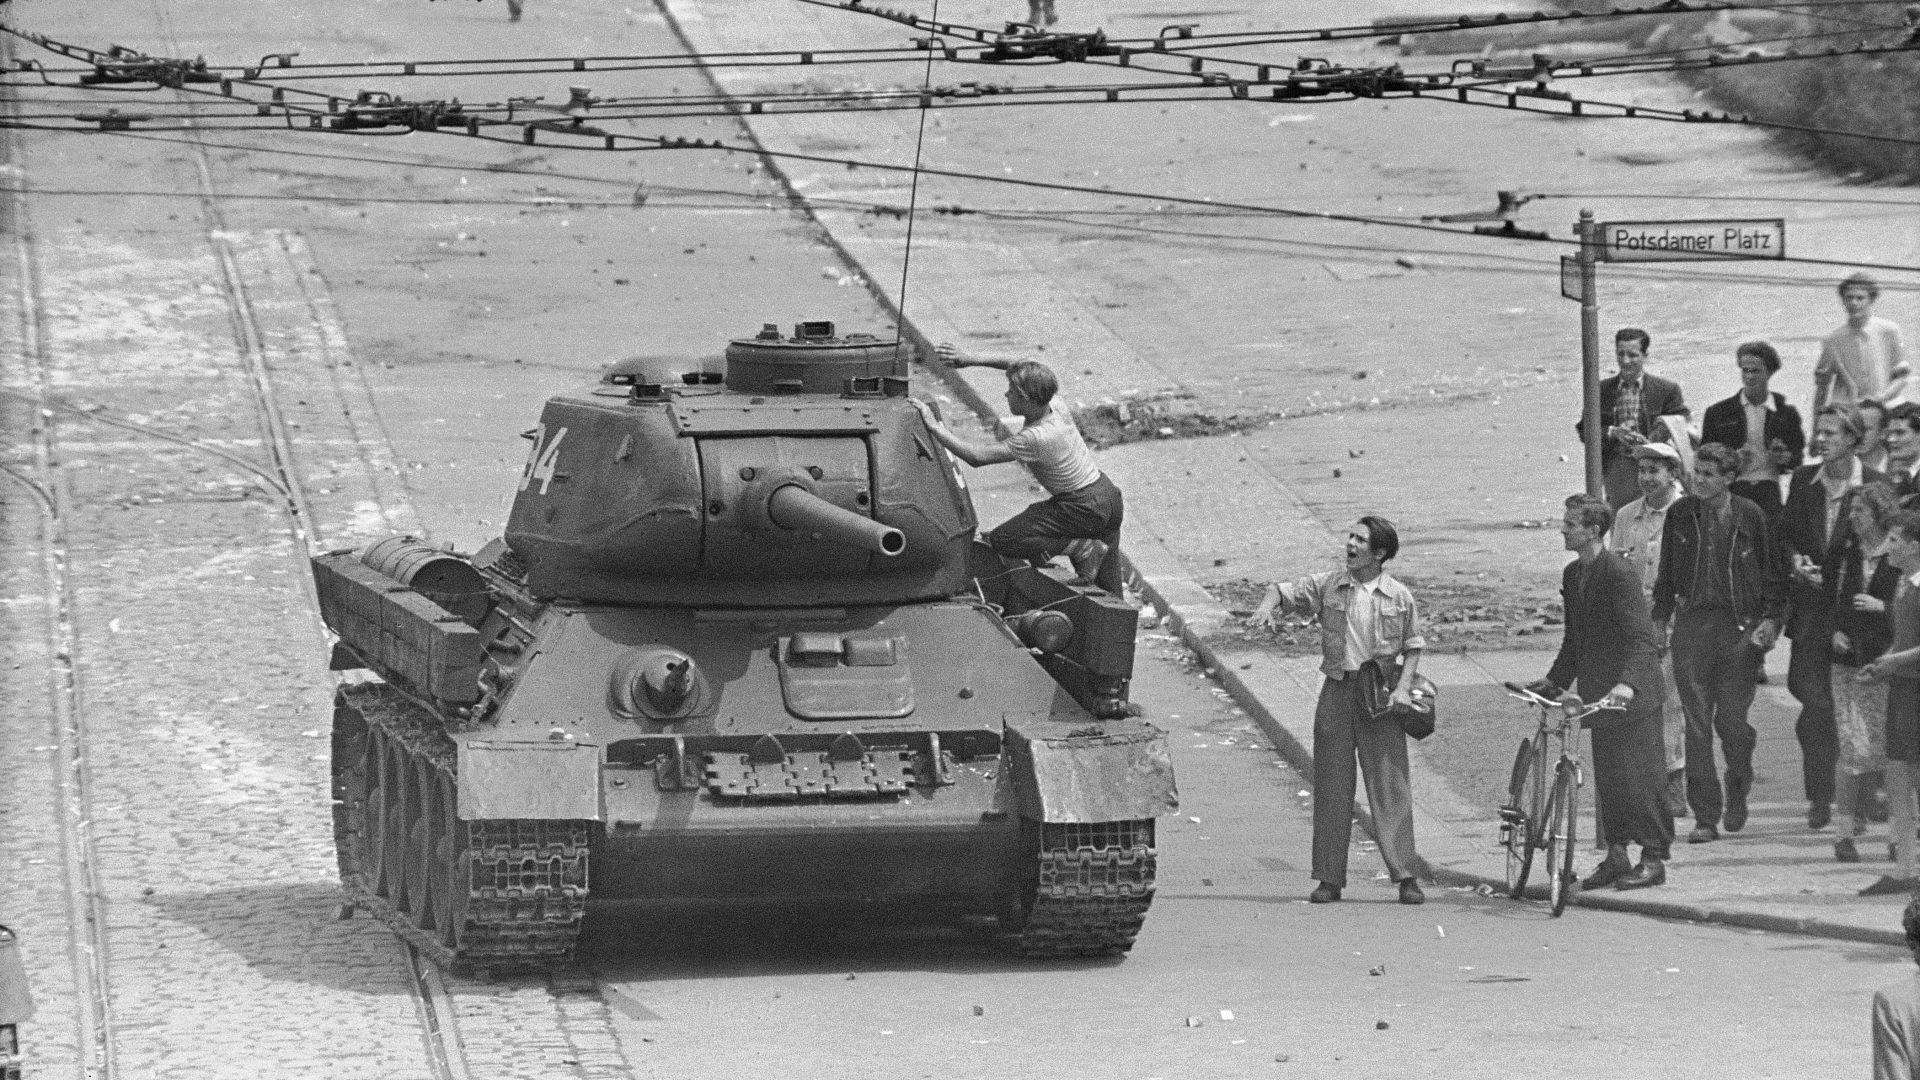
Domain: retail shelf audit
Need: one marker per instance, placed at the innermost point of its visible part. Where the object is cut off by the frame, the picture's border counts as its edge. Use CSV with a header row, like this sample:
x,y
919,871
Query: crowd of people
x,y
1710,543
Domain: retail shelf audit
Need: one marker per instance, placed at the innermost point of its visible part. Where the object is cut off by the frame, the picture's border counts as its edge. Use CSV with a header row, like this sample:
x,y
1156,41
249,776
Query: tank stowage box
x,y
738,649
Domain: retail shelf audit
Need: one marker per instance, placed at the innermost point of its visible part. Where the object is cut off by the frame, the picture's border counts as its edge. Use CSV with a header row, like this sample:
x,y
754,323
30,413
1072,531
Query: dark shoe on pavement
x,y
1819,815
1735,817
1891,886
1703,834
1410,892
1611,869
1844,851
1649,873
1325,894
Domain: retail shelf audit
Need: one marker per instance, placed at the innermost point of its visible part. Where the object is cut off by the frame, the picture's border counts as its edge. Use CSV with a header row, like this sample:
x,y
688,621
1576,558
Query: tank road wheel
x,y
423,840
448,893
1089,887
394,783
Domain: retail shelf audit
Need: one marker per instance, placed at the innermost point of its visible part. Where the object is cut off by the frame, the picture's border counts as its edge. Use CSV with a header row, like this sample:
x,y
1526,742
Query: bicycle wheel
x,y
1560,844
1516,828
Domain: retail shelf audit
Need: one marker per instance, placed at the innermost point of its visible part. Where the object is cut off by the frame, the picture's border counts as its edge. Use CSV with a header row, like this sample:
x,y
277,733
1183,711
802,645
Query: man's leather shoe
x,y
1325,894
1735,818
1611,869
1891,886
1703,834
1845,851
1649,873
1410,892
1819,815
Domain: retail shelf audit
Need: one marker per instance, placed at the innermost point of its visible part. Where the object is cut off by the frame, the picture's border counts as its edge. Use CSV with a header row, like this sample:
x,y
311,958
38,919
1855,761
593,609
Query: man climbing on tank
x,y
1081,517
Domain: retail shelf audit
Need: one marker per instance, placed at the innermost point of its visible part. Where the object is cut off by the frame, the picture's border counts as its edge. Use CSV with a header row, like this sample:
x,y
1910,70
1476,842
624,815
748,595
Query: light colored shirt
x,y
1864,362
1636,536
1756,465
1328,596
1896,1030
1363,635
1053,449
1836,491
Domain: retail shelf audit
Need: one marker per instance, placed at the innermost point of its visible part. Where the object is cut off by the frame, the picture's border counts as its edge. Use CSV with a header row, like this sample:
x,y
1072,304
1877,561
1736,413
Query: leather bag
x,y
1376,689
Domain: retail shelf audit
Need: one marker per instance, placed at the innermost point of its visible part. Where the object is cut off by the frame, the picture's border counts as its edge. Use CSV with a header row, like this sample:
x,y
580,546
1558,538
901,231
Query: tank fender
x,y
543,781
1105,773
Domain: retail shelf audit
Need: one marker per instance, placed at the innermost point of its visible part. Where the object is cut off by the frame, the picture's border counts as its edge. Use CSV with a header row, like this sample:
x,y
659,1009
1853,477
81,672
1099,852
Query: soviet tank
x,y
738,649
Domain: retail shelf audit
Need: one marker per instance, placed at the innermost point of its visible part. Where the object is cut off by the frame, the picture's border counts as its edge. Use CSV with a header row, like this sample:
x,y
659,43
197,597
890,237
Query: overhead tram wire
x,y
1433,25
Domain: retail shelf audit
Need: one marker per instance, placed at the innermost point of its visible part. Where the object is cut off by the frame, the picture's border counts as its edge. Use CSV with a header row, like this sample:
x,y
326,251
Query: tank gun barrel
x,y
794,507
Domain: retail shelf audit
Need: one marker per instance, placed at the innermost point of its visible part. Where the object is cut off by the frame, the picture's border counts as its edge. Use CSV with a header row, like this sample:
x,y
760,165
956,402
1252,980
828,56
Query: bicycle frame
x,y
1543,796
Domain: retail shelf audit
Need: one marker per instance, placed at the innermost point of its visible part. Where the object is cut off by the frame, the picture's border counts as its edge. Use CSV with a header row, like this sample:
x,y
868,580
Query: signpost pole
x,y
1590,347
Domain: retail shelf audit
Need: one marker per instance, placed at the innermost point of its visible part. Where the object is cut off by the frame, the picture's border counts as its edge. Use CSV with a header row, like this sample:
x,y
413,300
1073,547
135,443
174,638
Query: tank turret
x,y
738,649
801,476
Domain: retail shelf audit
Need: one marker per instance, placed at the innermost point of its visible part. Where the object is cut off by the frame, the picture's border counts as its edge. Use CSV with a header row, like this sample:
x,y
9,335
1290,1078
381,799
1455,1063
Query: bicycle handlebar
x,y
1575,711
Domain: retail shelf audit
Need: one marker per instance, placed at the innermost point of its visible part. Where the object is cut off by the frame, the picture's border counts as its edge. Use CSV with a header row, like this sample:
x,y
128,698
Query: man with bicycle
x,y
1610,649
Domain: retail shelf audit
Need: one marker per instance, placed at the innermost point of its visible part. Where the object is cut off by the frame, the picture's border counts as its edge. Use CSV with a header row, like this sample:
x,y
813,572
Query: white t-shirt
x,y
1052,447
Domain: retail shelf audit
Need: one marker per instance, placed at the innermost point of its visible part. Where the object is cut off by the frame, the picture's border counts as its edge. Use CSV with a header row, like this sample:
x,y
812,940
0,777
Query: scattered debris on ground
x,y
1453,617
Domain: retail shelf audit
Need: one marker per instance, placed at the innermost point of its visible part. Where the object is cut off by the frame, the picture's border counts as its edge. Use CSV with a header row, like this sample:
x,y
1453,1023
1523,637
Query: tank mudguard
x,y
1113,772
525,780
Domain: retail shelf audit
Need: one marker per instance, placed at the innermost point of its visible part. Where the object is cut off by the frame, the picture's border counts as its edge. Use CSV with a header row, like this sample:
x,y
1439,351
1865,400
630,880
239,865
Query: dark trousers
x,y
1042,530
1630,784
1764,493
1343,733
1622,481
1810,681
1714,666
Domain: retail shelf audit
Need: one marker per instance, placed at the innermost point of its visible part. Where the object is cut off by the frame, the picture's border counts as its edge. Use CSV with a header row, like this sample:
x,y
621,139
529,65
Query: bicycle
x,y
1543,797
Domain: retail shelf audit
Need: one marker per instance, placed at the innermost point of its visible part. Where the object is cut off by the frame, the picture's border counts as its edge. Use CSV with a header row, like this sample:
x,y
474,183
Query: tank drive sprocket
x,y
472,895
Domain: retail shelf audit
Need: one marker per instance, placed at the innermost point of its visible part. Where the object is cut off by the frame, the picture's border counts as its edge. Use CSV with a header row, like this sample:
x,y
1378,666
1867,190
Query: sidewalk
x,y
1775,874
1194,505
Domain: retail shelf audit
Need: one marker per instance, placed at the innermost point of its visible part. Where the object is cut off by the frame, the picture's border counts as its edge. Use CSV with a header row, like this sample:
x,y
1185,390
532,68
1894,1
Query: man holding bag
x,y
1370,647
1610,650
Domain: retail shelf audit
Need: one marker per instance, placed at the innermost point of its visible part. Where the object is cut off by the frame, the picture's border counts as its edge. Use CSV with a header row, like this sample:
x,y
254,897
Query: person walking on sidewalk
x,y
1369,640
1609,653
1896,1012
1635,537
1759,426
1081,517
1721,592
1899,668
1810,522
1861,582
1631,405
1865,358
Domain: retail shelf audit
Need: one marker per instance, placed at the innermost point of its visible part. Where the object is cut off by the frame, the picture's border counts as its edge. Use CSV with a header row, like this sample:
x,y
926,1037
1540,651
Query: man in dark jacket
x,y
1759,426
1808,528
1610,649
1722,589
1631,405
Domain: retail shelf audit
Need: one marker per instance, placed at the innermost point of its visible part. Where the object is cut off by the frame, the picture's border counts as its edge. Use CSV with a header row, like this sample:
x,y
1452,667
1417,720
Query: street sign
x,y
1570,278
1671,241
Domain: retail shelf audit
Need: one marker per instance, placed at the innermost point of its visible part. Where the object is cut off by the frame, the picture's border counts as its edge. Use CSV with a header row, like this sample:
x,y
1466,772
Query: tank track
x,y
1094,885
522,884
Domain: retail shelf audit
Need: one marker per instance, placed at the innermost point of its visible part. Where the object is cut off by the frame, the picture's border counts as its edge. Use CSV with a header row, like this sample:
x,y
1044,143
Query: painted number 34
x,y
542,458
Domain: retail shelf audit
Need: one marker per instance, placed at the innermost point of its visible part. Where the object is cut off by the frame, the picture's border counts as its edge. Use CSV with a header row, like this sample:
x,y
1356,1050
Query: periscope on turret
x,y
739,647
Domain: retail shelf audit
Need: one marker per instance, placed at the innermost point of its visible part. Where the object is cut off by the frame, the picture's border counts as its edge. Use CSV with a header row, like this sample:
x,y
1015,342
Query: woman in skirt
x,y
1899,667
1860,581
